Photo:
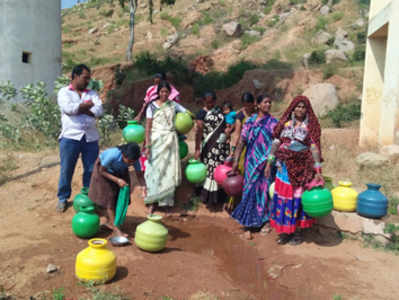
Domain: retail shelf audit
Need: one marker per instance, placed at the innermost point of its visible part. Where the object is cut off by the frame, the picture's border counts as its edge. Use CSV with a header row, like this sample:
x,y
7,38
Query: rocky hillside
x,y
225,30
322,41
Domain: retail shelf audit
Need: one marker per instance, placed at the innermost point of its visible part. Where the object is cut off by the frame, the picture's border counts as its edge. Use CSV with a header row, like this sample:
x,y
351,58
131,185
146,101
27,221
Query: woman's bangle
x,y
147,146
271,158
318,170
233,148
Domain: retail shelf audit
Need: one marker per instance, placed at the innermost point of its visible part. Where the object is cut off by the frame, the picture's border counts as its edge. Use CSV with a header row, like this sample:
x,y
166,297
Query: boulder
x,y
391,151
325,10
232,29
341,34
258,84
93,30
335,54
170,41
371,159
323,97
254,33
345,45
322,37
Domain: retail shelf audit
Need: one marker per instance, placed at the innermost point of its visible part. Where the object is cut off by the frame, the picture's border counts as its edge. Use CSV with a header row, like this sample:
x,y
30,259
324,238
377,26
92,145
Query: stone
x,y
257,84
51,268
170,41
284,16
274,271
374,227
236,45
149,35
322,37
305,59
341,34
323,97
254,33
343,221
93,30
391,151
232,29
360,22
325,10
371,159
335,54
344,45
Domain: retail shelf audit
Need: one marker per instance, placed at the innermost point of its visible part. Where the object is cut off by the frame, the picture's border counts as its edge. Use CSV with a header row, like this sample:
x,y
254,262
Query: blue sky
x,y
69,3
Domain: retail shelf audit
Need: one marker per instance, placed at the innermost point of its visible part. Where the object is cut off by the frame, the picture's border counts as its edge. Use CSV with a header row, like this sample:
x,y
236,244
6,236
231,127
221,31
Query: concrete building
x,y
30,41
380,103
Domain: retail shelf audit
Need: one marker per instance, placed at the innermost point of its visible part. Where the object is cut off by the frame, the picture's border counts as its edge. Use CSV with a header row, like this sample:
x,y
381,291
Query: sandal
x,y
297,239
284,238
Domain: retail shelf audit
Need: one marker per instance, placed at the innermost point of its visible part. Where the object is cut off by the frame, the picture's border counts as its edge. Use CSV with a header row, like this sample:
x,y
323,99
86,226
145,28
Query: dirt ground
x,y
205,258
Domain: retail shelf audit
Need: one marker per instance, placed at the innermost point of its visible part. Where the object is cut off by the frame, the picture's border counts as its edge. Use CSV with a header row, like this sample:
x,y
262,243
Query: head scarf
x,y
313,123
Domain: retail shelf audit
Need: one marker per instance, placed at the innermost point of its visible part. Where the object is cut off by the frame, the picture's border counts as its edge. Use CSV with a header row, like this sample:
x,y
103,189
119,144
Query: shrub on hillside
x,y
345,113
317,57
359,54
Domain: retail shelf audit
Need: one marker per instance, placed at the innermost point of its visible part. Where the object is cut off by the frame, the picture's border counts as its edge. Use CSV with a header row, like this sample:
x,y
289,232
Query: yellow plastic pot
x,y
344,197
96,262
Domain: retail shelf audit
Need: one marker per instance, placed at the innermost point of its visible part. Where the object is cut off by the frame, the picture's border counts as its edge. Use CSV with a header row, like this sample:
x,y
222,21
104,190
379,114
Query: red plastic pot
x,y
220,173
233,185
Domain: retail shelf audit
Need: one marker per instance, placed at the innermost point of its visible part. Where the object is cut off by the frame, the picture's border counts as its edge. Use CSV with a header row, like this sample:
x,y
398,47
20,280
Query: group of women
x,y
265,150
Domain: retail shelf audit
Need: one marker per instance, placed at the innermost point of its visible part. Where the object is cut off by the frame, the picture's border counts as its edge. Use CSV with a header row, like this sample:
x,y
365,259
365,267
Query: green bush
x,y
361,37
275,64
329,71
175,21
334,2
317,57
247,40
7,91
195,29
321,23
106,12
359,54
273,21
337,16
269,7
345,113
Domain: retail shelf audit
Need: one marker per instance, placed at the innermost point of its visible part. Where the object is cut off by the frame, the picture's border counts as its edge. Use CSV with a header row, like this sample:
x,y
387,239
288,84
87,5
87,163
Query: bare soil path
x,y
205,256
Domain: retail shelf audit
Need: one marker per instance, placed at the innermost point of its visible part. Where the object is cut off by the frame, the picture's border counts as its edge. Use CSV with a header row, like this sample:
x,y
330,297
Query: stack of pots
x,y
86,222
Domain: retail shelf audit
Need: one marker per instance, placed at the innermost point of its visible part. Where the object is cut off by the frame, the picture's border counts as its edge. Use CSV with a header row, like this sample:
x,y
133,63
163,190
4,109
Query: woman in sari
x,y
163,170
296,149
215,149
257,135
248,102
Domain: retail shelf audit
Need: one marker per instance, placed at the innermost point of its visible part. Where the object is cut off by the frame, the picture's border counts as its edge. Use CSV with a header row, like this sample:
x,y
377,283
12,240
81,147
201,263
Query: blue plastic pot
x,y
372,203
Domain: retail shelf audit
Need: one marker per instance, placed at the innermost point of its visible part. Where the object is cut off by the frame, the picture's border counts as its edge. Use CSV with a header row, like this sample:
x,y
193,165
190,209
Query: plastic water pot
x,y
85,223
82,200
233,185
220,173
133,132
183,122
317,202
195,171
372,203
151,235
183,149
344,197
96,262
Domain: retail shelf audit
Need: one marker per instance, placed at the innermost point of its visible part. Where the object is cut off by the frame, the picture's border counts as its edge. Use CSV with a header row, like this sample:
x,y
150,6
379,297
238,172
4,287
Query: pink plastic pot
x,y
233,185
220,173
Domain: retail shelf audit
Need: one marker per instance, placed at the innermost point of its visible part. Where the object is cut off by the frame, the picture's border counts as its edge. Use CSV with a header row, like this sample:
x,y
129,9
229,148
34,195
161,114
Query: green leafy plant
x,y
393,204
195,29
317,57
7,90
106,125
125,114
345,113
58,294
359,54
329,71
269,7
321,24
247,40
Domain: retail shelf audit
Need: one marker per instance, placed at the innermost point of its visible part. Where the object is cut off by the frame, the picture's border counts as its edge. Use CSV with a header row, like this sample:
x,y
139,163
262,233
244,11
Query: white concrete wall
x,y
33,26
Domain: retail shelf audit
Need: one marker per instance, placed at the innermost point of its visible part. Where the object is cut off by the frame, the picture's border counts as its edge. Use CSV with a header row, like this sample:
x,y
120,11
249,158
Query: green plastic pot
x,y
317,202
183,122
196,171
183,149
82,200
86,223
151,235
133,132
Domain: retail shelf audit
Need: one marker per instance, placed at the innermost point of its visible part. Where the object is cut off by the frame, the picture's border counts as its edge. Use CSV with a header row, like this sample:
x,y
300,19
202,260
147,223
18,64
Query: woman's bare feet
x,y
119,232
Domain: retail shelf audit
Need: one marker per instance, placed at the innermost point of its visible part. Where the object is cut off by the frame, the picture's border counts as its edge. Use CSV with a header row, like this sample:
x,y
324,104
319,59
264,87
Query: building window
x,y
26,57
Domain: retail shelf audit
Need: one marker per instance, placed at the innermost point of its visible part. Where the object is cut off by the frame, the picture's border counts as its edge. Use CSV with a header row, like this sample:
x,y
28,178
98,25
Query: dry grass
x,y
340,148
